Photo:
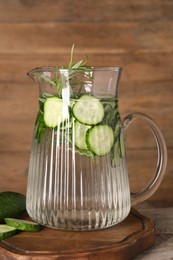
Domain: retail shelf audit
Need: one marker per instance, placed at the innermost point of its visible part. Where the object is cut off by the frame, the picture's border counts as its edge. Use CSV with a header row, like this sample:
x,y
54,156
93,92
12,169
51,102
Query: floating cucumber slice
x,y
88,110
6,231
100,139
55,111
80,134
22,224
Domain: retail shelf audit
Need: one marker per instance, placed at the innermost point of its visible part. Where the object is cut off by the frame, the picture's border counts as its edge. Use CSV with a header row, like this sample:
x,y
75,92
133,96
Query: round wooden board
x,y
121,242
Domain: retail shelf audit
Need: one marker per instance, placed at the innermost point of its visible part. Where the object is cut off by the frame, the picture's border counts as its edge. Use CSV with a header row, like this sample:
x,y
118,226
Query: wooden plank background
x,y
134,34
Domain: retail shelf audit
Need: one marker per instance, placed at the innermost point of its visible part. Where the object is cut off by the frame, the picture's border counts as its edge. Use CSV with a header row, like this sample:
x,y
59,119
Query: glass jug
x,y
78,178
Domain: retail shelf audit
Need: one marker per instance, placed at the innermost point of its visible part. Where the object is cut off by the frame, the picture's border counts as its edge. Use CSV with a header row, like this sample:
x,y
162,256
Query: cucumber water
x,y
90,124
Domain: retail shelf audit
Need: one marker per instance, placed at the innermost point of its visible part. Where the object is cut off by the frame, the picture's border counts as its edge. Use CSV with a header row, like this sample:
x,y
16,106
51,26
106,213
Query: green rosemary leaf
x,y
42,100
77,65
56,74
41,127
71,57
59,86
85,152
51,82
85,67
85,61
44,96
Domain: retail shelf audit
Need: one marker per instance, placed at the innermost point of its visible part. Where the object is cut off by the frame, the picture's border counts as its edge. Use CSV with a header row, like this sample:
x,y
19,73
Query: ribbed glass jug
x,y
78,178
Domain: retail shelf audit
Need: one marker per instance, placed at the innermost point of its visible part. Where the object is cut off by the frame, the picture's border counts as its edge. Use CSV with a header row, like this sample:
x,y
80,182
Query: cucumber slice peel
x,y
24,225
100,139
88,110
6,231
55,111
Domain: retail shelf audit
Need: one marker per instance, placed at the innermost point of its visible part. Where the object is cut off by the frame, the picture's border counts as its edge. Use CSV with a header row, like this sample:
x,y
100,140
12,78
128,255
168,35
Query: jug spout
x,y
33,73
46,78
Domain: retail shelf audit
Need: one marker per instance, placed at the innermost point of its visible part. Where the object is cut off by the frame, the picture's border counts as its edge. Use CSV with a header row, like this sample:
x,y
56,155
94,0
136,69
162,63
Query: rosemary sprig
x,y
58,80
82,64
48,80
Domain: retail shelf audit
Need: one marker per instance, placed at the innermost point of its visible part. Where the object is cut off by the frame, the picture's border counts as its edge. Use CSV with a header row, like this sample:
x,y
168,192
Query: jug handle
x,y
151,187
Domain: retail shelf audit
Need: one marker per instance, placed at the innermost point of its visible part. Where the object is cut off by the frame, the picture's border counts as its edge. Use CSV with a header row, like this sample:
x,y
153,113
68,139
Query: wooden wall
x,y
134,34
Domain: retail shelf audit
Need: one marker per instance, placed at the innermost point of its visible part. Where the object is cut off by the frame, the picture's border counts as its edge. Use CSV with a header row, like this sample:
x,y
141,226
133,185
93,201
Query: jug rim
x,y
94,68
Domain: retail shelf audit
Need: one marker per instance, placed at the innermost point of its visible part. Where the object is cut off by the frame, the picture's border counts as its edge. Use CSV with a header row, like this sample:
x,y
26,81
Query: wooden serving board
x,y
121,242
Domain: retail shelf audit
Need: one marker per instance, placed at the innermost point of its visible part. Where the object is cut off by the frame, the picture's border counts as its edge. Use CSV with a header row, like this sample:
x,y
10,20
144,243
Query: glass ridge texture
x,y
78,178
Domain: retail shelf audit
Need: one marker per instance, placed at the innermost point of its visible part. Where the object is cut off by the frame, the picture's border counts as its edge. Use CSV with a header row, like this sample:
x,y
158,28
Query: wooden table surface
x,y
163,221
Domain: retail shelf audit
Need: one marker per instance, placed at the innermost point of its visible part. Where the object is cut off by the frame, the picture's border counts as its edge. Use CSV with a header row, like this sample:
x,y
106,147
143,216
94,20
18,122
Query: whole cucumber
x,y
12,205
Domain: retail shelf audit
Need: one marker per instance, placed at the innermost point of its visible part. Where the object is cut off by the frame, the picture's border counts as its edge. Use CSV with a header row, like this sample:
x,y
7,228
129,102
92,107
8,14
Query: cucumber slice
x,y
80,134
55,111
88,110
22,224
12,205
6,231
100,139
